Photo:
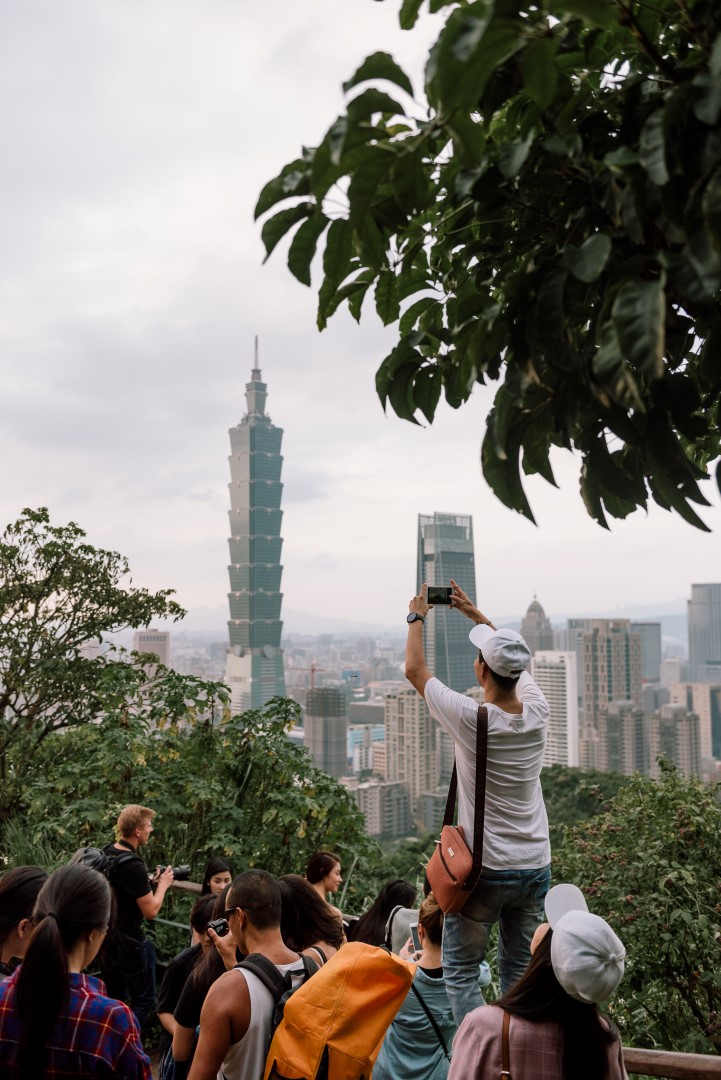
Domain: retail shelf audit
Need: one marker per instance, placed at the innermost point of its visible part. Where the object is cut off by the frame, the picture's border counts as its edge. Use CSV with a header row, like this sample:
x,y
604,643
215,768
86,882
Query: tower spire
x,y
256,390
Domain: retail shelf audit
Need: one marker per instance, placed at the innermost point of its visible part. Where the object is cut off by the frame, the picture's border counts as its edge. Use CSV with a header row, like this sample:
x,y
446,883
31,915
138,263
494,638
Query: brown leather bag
x,y
453,869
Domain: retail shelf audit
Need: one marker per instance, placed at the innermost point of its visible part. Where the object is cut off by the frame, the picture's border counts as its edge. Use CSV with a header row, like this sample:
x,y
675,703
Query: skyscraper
x,y
651,654
411,744
254,670
704,633
536,628
555,673
611,672
445,551
326,730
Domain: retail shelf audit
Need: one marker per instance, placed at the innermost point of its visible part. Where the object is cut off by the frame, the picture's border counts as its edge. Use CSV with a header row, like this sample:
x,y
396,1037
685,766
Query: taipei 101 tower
x,y
254,670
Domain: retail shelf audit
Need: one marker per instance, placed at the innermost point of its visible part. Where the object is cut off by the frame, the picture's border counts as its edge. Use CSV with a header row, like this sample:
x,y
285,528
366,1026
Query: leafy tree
x,y
58,595
573,795
651,866
548,217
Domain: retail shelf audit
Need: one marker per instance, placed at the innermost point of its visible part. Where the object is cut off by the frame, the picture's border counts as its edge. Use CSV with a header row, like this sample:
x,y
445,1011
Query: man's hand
x,y
166,877
225,947
466,607
420,604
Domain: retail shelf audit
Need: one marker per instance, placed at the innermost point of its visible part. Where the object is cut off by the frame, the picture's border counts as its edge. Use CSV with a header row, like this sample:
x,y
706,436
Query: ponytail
x,y
74,901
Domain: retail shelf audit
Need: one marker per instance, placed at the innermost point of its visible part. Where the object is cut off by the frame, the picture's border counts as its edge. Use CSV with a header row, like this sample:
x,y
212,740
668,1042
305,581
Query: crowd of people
x,y
254,936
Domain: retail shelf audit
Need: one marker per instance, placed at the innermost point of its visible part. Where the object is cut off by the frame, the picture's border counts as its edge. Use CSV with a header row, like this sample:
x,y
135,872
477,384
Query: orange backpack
x,y
334,1024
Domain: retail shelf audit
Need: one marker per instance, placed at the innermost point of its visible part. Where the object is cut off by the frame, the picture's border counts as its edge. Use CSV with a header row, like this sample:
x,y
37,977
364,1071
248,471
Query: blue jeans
x,y
514,900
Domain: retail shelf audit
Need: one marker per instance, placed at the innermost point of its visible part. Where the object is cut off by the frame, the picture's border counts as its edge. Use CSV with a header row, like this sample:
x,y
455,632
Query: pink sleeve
x,y
477,1047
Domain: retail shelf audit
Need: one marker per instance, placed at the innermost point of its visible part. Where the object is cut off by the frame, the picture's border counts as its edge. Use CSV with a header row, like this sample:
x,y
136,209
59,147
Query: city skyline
x,y
133,284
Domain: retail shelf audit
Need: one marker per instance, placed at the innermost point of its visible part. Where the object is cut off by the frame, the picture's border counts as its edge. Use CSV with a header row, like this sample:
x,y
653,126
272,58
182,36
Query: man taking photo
x,y
516,849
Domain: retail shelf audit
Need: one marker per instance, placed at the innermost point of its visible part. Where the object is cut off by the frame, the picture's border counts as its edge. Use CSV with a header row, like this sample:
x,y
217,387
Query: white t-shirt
x,y
516,826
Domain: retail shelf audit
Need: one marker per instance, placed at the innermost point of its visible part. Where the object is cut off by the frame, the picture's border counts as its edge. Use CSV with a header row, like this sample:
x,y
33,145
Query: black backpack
x,y
99,860
279,983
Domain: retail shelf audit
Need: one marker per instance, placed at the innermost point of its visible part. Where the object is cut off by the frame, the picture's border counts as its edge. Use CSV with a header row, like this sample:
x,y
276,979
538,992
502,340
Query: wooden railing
x,y
671,1065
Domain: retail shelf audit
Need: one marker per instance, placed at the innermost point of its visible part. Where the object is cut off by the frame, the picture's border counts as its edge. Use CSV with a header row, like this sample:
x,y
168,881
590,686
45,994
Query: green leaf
x,y
652,148
501,467
303,246
386,297
587,261
292,180
427,390
469,49
591,496
370,244
639,314
408,15
336,260
711,209
539,71
411,314
370,102
512,155
364,182
276,227
380,65
595,12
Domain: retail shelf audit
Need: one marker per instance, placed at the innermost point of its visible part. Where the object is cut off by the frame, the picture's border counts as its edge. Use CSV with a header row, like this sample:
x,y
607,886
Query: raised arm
x,y
464,604
416,671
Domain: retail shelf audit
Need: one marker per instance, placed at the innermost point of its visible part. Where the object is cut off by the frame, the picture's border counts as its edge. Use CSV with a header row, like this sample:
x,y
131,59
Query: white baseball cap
x,y
588,958
505,651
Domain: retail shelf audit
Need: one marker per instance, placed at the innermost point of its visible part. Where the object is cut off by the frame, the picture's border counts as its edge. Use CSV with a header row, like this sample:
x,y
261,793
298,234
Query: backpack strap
x,y
431,1017
479,811
389,926
319,953
268,974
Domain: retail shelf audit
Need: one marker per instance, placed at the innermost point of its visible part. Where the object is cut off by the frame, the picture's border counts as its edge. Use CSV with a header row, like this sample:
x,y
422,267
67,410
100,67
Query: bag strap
x,y
505,1047
431,1017
268,973
479,811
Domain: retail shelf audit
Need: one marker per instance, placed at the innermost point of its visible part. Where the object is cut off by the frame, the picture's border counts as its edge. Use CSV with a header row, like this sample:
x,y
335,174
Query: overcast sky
x,y
136,136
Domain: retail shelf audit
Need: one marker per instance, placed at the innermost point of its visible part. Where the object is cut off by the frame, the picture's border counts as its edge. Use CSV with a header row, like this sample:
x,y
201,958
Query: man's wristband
x,y
414,617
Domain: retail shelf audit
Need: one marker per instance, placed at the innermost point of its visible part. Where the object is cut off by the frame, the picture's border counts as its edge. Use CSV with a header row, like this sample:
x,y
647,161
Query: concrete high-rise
x,y
254,670
411,744
326,730
622,741
704,633
445,551
611,672
651,655
153,641
674,733
555,673
704,700
536,628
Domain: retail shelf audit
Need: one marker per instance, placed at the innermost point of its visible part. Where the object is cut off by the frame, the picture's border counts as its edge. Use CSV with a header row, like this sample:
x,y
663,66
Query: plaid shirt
x,y
94,1036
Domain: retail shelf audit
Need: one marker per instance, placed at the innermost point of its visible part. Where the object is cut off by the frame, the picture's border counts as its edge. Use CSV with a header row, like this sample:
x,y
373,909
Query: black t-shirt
x,y
130,882
171,987
187,1011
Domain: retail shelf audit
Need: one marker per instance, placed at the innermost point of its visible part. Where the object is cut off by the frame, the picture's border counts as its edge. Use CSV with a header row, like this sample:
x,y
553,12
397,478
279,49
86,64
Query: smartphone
x,y
414,935
439,594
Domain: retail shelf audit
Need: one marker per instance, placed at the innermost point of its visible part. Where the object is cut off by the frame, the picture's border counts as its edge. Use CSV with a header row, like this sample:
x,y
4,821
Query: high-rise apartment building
x,y
536,628
445,551
611,672
555,673
153,641
674,733
704,700
704,633
411,744
254,670
622,742
651,655
326,730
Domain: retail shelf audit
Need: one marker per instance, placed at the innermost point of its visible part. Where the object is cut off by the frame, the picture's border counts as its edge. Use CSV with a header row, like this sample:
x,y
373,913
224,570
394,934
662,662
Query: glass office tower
x,y
254,670
445,551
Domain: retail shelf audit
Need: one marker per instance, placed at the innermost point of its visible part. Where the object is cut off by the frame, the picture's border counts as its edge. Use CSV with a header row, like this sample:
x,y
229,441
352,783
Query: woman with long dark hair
x,y
19,890
323,873
54,1020
371,927
218,874
577,962
307,923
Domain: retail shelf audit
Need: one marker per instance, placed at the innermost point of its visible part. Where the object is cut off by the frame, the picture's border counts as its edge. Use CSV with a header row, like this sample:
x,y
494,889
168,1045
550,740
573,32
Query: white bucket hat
x,y
588,958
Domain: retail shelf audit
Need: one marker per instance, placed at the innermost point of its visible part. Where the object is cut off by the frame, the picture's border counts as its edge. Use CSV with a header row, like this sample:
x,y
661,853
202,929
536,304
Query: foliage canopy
x,y
651,866
548,217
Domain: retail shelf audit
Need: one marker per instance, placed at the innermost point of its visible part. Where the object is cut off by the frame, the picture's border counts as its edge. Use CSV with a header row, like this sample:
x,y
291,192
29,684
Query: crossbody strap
x,y
431,1017
505,1047
479,811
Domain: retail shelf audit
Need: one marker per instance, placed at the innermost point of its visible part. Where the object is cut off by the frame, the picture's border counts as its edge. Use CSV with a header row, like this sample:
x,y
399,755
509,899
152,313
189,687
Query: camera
x,y
220,926
182,872
439,594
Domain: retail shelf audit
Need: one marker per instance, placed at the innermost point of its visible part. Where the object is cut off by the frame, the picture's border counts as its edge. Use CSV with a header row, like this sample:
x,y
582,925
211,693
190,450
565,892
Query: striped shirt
x,y
94,1036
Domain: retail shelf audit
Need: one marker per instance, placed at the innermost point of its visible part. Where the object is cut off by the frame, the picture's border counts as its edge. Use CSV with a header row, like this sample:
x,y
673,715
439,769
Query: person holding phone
x,y
516,847
417,1045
